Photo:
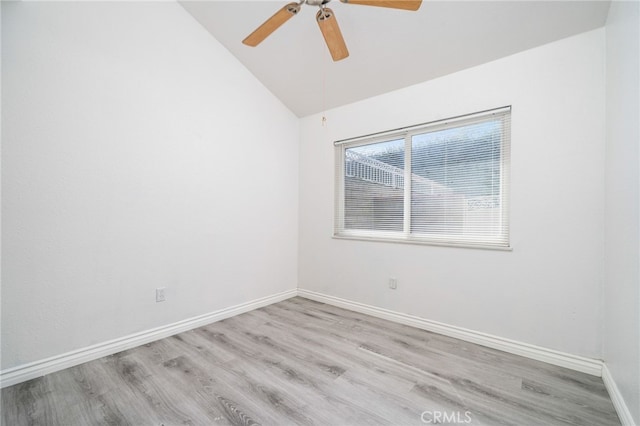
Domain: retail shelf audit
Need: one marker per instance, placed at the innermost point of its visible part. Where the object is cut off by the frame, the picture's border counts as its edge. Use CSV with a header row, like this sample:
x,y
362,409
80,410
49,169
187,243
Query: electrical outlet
x,y
160,294
393,283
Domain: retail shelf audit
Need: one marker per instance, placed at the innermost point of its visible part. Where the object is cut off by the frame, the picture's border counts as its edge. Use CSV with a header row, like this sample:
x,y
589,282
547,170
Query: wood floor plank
x,y
300,362
255,392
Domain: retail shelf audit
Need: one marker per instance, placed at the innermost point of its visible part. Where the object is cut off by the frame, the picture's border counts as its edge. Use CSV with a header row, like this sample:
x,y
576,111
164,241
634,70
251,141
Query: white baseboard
x,y
39,368
594,367
573,362
616,397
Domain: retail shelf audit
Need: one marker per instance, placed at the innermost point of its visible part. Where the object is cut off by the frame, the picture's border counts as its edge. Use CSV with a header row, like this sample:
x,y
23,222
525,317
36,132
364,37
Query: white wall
x,y
621,345
137,153
0,184
547,290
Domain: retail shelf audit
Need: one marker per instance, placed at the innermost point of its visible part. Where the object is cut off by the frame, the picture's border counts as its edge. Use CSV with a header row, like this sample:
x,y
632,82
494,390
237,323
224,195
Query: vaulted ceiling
x,y
389,49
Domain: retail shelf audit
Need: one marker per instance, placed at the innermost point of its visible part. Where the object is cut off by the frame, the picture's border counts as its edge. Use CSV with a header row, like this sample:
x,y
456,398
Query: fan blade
x,y
272,24
331,33
394,4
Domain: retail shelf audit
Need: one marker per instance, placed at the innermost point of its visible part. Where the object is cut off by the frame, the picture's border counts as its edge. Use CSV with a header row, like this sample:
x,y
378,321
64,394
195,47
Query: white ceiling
x,y
389,49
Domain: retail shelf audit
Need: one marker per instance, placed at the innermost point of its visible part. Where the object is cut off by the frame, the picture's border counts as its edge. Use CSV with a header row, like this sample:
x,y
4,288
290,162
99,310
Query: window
x,y
444,182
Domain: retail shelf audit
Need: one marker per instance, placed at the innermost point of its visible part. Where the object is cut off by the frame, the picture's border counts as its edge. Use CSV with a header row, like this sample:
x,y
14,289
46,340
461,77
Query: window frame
x,y
503,242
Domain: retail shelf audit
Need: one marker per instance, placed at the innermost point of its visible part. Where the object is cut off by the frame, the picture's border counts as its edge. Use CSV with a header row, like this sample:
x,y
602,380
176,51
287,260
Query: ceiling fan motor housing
x,y
316,2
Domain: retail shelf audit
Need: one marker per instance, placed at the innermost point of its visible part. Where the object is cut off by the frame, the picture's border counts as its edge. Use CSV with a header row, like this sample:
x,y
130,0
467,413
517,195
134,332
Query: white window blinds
x,y
444,182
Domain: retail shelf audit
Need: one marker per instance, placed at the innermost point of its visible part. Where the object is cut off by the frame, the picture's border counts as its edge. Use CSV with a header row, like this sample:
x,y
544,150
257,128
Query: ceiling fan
x,y
326,20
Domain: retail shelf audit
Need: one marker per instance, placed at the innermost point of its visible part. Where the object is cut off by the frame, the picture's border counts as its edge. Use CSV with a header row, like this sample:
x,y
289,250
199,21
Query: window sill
x,y
421,242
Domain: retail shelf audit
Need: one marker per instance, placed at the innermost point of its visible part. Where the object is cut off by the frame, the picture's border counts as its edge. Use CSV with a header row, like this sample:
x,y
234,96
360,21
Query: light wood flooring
x,y
300,362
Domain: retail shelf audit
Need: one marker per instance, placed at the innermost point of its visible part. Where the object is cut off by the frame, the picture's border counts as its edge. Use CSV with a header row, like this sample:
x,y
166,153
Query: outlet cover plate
x,y
160,294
